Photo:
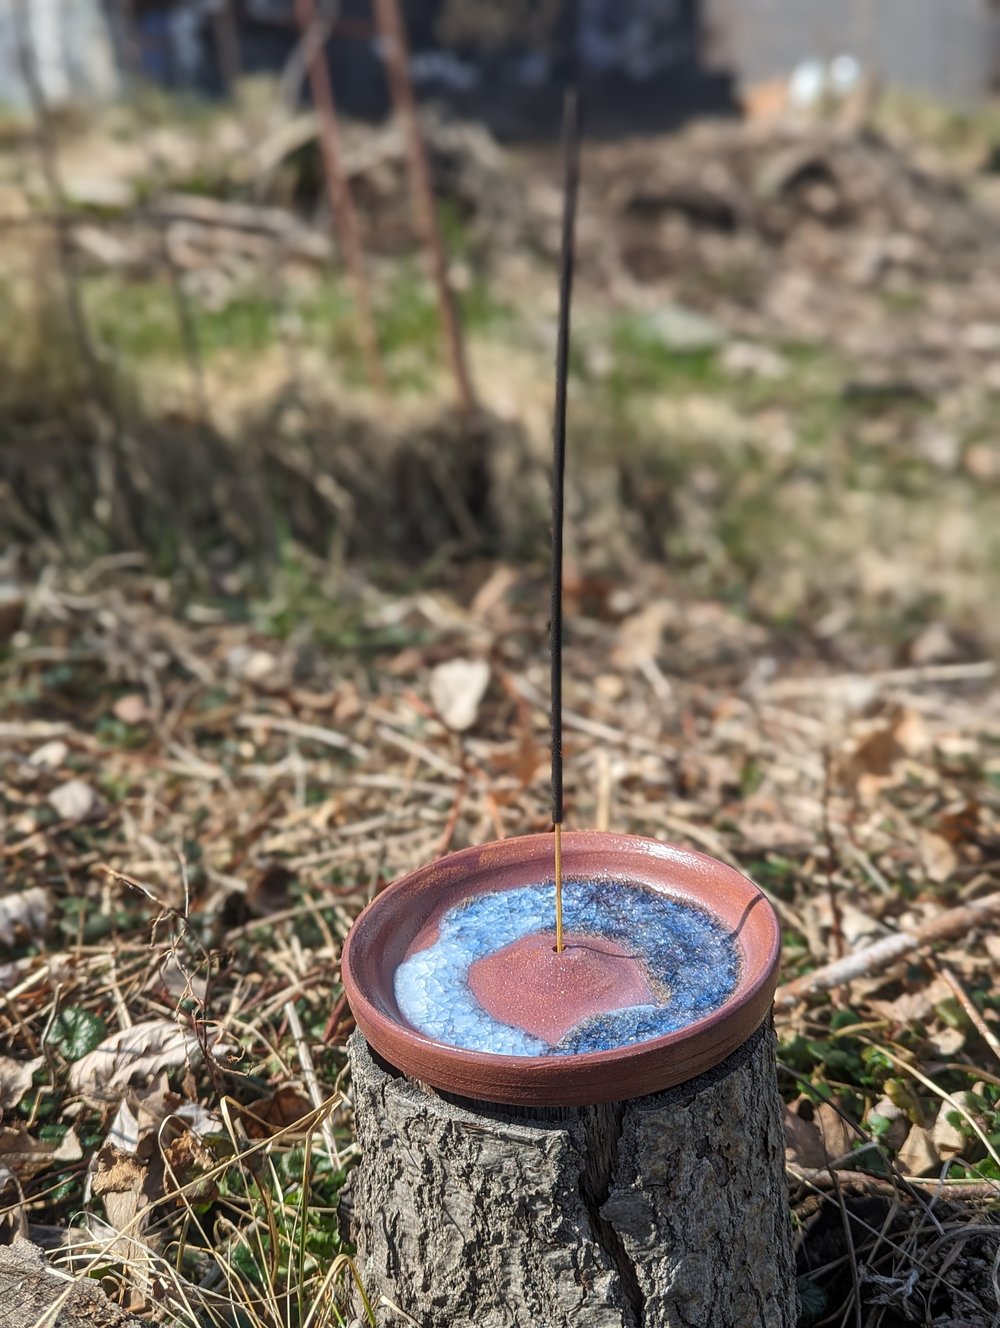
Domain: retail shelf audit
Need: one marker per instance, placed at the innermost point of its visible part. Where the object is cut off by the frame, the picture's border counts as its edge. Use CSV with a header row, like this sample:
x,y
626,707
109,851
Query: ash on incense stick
x,y
637,964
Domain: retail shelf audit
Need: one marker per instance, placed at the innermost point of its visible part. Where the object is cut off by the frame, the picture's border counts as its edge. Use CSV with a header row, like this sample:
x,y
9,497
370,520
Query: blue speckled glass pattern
x,y
684,948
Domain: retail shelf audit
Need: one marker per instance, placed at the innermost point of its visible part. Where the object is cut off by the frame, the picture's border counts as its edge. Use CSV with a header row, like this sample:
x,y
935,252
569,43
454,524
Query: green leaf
x,y
75,1031
813,1301
878,1124
876,1059
844,1019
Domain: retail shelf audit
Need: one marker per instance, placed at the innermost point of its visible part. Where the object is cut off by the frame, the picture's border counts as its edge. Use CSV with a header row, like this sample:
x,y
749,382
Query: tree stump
x,y
32,1293
667,1211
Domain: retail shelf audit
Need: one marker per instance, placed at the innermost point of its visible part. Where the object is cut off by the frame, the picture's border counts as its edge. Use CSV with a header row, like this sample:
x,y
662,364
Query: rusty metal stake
x,y
393,38
345,217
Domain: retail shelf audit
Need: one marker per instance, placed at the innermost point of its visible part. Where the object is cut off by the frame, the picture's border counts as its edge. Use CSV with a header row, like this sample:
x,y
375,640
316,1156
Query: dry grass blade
x,y
970,1008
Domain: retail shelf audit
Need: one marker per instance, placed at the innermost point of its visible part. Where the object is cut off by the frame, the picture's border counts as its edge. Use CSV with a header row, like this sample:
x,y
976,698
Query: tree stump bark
x,y
668,1211
32,1293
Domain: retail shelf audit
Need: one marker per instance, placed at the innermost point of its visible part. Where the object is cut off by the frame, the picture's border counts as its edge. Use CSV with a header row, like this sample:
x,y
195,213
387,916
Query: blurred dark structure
x,y
502,61
644,63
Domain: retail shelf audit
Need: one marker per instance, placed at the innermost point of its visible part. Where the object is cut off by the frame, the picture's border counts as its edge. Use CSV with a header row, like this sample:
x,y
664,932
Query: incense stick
x,y
571,150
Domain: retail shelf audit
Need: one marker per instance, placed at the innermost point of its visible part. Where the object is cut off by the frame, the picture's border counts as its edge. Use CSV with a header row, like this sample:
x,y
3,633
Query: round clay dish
x,y
404,919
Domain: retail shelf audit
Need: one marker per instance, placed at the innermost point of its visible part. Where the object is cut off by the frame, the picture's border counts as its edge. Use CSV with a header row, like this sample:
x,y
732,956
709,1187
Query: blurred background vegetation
x,y
784,378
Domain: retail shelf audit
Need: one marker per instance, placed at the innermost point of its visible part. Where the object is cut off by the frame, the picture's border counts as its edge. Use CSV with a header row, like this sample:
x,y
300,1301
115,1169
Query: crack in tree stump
x,y
668,1211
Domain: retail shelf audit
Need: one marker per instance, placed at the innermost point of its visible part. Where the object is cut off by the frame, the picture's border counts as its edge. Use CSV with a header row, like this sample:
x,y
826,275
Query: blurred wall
x,y
947,48
73,52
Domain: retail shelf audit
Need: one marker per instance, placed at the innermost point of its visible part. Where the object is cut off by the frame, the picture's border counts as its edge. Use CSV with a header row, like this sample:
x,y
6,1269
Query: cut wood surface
x,y
33,1294
669,1211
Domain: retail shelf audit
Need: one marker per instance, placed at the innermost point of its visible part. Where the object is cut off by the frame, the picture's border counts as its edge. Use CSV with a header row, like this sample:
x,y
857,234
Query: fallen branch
x,y
975,671
875,958
826,1178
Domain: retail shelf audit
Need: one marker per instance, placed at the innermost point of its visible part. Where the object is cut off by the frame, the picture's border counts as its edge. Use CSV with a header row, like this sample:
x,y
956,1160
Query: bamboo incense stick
x,y
571,151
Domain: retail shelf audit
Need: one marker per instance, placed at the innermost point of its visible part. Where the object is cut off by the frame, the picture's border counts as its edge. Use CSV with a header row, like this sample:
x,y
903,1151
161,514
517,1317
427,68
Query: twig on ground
x,y
978,670
421,750
880,956
969,1006
822,1178
311,732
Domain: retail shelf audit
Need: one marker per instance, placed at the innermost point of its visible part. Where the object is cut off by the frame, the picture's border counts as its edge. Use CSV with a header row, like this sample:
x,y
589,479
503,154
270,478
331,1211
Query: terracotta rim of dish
x,y
385,933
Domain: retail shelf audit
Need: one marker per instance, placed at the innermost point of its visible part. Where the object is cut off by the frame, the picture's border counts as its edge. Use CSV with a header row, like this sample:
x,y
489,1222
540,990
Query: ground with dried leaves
x,y
782,556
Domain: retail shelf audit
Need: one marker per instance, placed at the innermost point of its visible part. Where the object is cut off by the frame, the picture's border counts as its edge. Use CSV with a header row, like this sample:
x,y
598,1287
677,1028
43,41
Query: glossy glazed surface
x,y
527,985
408,916
675,963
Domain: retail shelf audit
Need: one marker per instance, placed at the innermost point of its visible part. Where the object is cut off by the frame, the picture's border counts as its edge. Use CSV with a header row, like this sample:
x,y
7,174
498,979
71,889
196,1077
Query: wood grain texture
x,y
669,1211
35,1295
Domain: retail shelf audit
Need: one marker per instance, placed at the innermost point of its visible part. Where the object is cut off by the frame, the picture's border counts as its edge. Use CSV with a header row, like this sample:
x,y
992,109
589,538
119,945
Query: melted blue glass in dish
x,y
688,955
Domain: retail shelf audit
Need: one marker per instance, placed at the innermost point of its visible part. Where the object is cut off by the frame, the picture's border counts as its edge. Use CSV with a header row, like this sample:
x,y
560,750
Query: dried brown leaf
x,y
918,1156
493,592
816,1135
117,1171
131,709
24,916
912,1009
136,1052
948,1139
641,634
165,1113
50,755
939,858
75,801
875,760
525,760
960,823
530,756
933,644
837,1135
284,1107
457,688
128,1185
15,1080
898,1127
946,1040
774,836
69,1148
21,1156
803,1142
187,1164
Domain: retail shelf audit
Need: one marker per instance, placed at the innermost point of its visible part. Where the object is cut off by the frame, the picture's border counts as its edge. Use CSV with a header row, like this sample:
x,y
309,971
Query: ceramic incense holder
x,y
670,964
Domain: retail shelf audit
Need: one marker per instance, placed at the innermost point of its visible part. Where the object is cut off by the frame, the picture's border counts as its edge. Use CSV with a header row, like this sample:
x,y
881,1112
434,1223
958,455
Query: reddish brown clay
x,y
389,927
528,985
